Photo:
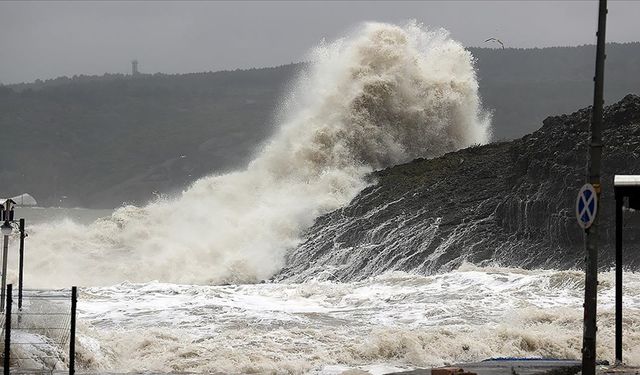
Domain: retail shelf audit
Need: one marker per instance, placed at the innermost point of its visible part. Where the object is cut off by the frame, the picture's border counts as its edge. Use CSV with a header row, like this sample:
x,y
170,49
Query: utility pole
x,y
591,233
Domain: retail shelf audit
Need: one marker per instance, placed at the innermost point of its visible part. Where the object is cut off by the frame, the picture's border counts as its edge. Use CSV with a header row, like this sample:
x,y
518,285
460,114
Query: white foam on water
x,y
383,95
394,320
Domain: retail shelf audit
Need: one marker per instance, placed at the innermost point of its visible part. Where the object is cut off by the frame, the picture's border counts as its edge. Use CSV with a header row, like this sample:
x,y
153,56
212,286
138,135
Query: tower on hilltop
x,y
134,68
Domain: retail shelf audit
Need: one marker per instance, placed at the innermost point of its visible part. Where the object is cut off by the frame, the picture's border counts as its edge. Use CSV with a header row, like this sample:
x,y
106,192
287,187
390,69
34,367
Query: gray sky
x,y
49,39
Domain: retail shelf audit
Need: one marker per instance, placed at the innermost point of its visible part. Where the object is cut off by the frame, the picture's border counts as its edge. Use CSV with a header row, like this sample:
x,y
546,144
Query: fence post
x,y
7,332
72,336
5,254
20,274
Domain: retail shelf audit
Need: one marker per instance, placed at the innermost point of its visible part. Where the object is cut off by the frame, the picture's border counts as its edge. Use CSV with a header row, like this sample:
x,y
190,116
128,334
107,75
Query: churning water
x,y
390,321
383,95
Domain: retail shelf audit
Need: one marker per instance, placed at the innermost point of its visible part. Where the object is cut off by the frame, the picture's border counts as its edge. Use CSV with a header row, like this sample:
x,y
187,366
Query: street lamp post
x,y
5,230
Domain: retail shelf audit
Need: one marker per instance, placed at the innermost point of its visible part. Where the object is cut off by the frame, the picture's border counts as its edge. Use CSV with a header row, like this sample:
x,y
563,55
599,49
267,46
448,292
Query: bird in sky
x,y
495,40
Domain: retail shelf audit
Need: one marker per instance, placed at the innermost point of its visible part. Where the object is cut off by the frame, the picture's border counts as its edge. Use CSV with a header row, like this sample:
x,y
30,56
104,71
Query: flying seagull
x,y
495,40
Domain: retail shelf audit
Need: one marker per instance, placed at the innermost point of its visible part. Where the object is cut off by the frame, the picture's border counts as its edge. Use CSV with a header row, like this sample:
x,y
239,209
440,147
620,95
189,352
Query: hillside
x,y
524,86
101,141
509,204
104,142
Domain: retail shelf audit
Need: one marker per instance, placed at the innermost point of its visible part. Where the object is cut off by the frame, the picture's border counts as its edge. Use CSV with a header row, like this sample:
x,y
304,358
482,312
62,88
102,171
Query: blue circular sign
x,y
586,206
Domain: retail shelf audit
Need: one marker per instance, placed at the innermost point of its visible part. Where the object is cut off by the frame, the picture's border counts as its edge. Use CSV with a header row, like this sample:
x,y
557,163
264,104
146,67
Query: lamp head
x,y
6,228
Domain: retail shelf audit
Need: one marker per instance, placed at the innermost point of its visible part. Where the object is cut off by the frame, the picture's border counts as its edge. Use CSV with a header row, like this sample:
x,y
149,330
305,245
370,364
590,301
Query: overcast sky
x,y
50,39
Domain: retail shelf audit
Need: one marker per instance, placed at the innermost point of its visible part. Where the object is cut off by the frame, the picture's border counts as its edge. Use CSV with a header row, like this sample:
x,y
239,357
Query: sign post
x,y
591,232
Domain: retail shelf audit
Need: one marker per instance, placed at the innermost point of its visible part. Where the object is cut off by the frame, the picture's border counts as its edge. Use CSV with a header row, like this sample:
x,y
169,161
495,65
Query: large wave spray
x,y
384,95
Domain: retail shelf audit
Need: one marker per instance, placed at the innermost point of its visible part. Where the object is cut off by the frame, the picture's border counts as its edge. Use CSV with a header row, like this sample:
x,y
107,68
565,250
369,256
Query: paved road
x,y
512,367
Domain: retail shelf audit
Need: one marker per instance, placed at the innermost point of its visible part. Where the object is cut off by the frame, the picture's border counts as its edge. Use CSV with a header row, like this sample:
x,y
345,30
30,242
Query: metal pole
x,y
591,234
619,203
7,333
5,254
72,336
21,268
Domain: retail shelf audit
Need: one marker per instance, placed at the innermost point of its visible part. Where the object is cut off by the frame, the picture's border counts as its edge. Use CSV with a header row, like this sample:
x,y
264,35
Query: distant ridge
x,y
40,84
104,140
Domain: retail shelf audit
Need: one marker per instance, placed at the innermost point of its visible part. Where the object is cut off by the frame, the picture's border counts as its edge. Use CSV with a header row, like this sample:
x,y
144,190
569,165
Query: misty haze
x,y
345,187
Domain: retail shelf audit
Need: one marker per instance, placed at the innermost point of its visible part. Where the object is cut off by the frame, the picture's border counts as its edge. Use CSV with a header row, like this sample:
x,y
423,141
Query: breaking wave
x,y
383,95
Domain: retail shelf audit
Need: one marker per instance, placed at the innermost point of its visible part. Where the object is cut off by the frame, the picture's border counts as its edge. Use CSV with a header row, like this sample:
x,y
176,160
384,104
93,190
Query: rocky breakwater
x,y
508,204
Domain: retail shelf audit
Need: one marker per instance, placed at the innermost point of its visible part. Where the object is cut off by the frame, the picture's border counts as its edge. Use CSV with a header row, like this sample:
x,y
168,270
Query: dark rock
x,y
507,204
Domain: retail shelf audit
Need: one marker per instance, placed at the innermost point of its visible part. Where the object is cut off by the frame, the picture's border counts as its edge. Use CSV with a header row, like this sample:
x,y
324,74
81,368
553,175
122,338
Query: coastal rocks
x,y
507,204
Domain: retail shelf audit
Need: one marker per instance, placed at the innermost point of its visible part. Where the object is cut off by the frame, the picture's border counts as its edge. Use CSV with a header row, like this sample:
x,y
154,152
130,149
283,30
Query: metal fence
x,y
40,336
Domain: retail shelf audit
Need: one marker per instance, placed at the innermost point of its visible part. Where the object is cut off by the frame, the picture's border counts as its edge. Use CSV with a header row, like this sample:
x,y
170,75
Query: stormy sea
x,y
377,229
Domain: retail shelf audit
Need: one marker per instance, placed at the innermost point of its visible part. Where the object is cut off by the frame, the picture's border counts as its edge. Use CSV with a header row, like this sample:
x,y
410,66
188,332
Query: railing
x,y
40,336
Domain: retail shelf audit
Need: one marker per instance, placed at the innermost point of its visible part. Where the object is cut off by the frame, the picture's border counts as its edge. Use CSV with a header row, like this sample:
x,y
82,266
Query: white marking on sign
x,y
586,206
